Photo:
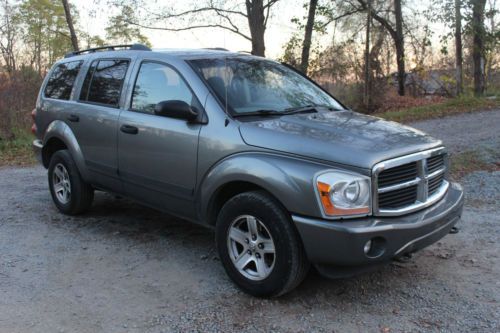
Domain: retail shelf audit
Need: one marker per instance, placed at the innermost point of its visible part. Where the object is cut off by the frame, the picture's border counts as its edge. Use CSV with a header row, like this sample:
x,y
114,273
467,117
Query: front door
x,y
157,156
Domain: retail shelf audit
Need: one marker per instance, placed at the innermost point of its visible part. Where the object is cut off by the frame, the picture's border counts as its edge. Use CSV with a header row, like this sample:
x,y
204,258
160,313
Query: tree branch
x,y
385,23
202,9
229,21
270,3
201,26
357,10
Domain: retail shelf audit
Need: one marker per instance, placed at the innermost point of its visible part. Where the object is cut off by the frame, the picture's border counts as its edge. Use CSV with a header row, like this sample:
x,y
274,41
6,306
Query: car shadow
x,y
142,226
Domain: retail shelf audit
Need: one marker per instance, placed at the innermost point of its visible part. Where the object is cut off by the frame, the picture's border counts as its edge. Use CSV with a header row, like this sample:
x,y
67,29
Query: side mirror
x,y
176,109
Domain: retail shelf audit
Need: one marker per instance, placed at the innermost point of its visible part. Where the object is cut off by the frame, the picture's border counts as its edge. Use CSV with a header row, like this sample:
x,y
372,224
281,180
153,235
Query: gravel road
x,y
465,131
126,268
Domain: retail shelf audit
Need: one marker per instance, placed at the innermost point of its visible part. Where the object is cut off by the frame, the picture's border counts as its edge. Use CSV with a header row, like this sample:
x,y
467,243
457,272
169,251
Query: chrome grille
x,y
435,163
398,198
397,174
435,183
406,184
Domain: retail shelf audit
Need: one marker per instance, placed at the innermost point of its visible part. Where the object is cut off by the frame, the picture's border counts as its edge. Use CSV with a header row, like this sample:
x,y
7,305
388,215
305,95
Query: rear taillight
x,y
33,127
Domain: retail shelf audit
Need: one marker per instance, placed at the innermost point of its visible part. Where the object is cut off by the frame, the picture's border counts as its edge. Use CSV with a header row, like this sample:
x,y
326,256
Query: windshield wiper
x,y
301,109
263,112
309,108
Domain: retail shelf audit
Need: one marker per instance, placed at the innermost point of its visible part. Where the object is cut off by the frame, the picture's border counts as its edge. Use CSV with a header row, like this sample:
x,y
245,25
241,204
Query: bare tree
x,y
255,12
367,92
69,20
8,36
306,46
400,48
458,47
478,32
492,55
396,33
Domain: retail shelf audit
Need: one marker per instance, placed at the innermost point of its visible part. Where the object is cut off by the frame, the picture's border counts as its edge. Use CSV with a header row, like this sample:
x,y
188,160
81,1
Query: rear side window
x,y
61,80
104,81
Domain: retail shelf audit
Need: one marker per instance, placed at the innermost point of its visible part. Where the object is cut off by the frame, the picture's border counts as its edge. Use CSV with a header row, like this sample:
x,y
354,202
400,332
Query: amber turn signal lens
x,y
324,194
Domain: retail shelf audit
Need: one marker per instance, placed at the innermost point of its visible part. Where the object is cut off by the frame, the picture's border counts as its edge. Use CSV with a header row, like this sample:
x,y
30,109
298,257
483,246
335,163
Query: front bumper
x,y
337,247
37,149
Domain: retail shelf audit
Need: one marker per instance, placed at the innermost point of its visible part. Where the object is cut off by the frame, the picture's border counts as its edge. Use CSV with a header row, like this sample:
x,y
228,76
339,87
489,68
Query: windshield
x,y
257,85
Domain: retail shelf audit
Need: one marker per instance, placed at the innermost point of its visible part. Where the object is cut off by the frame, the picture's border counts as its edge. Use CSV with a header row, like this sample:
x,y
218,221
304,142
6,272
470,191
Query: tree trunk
x,y
8,30
69,20
367,92
478,32
306,47
458,48
257,25
400,49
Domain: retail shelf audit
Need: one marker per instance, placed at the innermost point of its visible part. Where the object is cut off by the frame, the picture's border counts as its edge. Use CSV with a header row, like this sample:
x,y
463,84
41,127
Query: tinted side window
x,y
61,80
156,83
104,81
84,94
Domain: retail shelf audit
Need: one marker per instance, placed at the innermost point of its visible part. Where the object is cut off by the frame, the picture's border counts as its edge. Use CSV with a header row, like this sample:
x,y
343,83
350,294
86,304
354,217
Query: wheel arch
x,y
60,136
278,176
226,192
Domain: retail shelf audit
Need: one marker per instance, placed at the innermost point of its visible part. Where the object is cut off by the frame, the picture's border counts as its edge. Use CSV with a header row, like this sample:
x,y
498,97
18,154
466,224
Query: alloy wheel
x,y
61,183
251,247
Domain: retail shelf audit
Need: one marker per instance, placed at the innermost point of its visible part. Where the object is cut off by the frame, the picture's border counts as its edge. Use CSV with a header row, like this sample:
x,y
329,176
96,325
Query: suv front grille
x,y
397,174
435,163
398,198
408,183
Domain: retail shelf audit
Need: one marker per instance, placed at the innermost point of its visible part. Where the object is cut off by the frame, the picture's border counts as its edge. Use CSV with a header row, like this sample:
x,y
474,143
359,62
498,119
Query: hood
x,y
343,137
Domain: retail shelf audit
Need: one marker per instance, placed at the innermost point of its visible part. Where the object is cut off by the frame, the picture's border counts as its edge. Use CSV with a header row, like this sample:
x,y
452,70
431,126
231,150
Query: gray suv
x,y
285,174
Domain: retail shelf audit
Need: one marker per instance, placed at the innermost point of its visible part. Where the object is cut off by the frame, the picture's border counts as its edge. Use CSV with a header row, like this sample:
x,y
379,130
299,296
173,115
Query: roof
x,y
197,53
125,49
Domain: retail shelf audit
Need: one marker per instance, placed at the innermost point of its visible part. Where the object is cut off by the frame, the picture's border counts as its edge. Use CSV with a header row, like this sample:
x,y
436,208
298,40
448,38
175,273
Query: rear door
x,y
158,155
95,120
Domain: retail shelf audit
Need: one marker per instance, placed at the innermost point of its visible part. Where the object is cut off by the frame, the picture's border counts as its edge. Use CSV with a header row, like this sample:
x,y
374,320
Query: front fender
x,y
288,179
60,130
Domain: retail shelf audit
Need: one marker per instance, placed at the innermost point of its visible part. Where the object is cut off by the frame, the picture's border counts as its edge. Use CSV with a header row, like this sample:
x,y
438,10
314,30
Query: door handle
x,y
73,118
129,129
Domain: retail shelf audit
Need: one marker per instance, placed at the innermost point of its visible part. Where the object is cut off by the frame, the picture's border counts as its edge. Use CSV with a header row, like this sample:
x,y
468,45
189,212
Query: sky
x,y
280,29
93,19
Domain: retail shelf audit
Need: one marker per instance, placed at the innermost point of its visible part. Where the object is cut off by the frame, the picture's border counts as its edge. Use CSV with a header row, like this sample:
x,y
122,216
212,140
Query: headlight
x,y
342,194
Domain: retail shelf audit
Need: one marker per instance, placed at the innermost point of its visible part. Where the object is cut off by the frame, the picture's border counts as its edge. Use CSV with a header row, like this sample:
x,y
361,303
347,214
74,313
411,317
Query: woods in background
x,y
374,41
366,52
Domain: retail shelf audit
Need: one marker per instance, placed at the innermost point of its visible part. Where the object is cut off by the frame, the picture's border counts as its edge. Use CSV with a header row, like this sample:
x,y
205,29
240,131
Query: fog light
x,y
368,246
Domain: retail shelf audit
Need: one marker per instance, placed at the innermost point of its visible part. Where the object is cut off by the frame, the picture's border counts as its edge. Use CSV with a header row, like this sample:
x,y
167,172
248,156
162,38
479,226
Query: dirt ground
x,y
126,268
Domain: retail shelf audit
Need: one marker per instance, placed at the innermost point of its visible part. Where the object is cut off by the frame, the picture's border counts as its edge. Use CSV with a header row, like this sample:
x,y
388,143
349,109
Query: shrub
x,y
18,92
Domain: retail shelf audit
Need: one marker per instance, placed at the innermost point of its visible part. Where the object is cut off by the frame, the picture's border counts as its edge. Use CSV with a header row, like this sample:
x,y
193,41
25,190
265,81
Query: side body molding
x,y
288,179
58,129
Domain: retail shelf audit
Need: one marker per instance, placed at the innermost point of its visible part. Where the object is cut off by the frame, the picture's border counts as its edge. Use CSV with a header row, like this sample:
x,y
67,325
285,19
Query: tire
x,y
261,273
71,195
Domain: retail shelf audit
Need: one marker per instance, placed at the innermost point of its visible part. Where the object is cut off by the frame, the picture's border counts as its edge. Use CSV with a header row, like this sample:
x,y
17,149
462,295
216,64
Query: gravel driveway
x,y
126,268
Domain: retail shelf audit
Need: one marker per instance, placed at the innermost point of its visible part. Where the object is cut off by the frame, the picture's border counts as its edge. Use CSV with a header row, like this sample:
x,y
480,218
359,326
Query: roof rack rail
x,y
133,47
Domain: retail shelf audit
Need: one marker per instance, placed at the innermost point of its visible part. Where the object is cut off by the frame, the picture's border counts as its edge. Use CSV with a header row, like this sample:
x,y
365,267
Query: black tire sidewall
x,y
64,157
277,221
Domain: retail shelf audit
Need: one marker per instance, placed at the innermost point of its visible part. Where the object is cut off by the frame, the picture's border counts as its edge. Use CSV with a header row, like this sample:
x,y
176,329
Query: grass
x,y
452,106
466,162
17,151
